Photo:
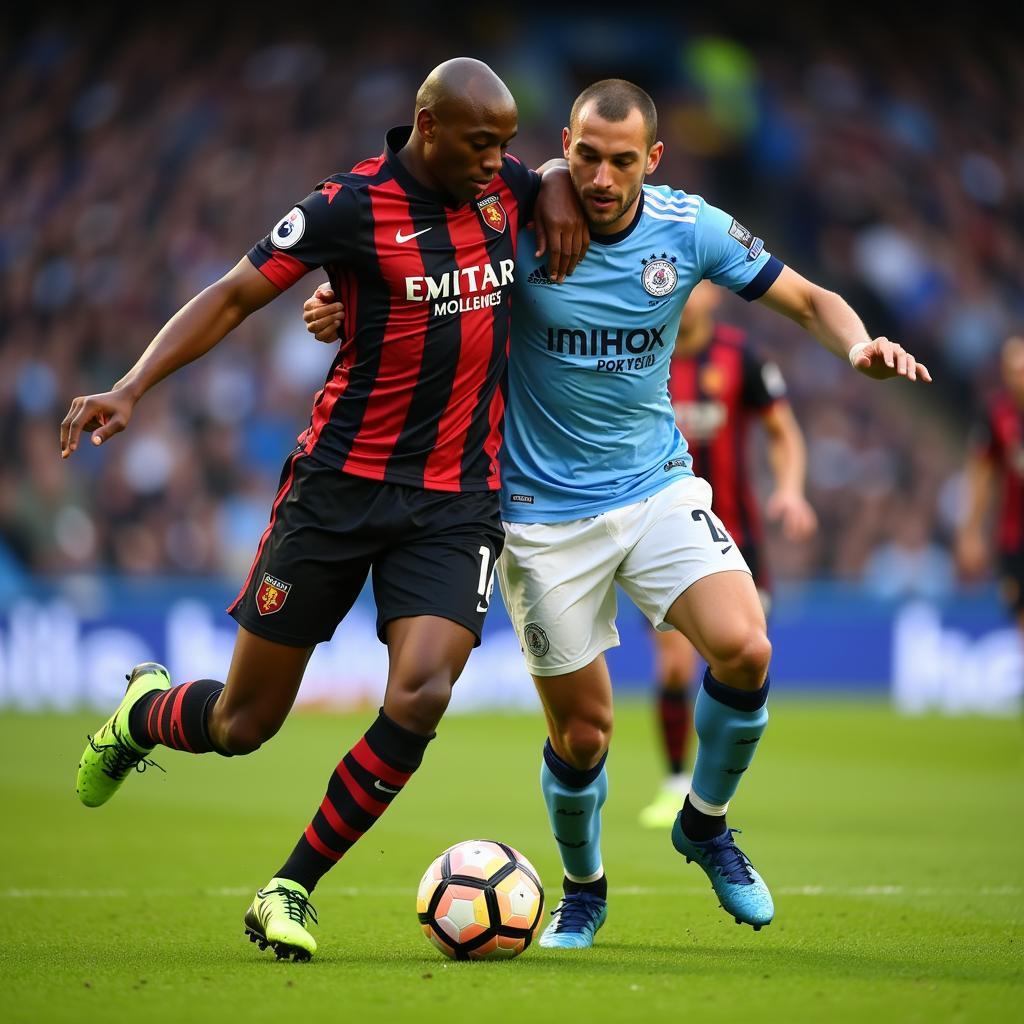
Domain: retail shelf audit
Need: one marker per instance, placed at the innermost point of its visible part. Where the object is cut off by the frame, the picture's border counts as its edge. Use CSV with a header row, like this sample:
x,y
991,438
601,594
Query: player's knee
x,y
420,703
743,660
242,733
584,741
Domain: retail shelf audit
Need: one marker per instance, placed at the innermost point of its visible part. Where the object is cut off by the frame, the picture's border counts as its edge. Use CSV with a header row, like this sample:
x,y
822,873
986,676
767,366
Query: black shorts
x,y
1011,579
755,561
430,552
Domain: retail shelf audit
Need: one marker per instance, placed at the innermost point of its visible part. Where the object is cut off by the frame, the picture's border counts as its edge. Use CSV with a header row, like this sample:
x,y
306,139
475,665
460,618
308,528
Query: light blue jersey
x,y
589,425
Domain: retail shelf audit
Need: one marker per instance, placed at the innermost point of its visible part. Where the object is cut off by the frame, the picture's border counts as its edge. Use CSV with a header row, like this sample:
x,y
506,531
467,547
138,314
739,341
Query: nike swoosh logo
x,y
385,789
727,548
400,238
481,607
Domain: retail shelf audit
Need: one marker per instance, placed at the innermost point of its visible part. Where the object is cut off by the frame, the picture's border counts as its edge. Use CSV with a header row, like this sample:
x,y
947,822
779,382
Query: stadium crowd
x,y
142,158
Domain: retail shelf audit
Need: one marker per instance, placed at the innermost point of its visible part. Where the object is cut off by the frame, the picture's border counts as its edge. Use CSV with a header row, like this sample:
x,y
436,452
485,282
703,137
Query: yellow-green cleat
x,y
662,810
277,918
112,753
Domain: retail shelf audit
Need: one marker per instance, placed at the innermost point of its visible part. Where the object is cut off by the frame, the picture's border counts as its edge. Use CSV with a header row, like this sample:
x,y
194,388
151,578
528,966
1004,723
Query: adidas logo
x,y
538,276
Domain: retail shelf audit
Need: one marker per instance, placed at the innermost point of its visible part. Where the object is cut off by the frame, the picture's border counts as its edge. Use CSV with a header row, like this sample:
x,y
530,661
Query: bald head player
x,y
395,476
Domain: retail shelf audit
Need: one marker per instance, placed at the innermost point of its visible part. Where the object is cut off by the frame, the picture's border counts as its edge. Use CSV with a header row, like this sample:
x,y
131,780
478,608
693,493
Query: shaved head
x,y
465,118
463,84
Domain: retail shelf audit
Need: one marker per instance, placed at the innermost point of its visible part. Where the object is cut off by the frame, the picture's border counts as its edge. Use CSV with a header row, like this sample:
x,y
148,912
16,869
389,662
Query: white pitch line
x,y
240,891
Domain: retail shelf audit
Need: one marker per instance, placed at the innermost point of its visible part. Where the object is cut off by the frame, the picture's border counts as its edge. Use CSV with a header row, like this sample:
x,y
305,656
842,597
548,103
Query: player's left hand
x,y
794,513
881,359
323,316
559,223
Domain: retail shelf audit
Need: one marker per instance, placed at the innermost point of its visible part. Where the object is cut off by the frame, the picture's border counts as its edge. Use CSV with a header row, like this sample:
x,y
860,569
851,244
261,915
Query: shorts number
x,y
717,535
486,582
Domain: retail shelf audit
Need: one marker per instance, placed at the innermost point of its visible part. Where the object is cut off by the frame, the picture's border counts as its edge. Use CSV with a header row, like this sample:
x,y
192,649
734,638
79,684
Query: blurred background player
x,y
997,467
718,385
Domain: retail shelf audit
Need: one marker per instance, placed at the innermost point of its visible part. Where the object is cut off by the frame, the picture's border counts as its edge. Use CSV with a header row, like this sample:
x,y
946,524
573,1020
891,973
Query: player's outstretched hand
x,y
794,513
323,316
881,359
101,415
559,224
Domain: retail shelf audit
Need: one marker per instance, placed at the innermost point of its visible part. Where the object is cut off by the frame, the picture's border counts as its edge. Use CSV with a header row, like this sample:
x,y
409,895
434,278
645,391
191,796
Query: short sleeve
x,y
317,231
730,255
763,383
524,184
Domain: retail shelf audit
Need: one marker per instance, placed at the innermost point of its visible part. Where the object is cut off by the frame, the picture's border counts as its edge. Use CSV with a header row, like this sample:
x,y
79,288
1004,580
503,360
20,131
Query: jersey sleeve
x,y
316,232
524,183
731,256
763,383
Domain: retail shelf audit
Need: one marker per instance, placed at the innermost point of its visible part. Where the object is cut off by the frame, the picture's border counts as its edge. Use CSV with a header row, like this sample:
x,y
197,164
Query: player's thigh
x,y
557,580
442,563
721,614
676,540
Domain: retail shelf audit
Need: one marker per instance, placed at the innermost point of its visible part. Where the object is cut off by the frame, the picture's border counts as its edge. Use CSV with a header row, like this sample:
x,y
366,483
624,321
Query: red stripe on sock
x,y
151,723
159,705
373,764
176,717
335,820
361,797
314,840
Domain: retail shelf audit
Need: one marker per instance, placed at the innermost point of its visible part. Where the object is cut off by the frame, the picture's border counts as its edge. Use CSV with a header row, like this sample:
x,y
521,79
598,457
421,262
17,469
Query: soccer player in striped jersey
x,y
996,467
598,489
396,474
718,385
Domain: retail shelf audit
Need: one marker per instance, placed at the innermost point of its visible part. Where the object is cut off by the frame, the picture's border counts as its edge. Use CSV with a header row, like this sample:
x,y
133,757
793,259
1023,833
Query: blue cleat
x,y
740,888
575,921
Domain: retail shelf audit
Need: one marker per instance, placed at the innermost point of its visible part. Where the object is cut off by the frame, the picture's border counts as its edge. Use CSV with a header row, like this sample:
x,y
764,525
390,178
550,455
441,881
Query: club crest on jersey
x,y
289,230
659,276
493,213
272,595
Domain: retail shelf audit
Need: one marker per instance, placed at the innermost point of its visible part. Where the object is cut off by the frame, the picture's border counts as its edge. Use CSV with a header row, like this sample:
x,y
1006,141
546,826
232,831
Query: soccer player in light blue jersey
x,y
597,489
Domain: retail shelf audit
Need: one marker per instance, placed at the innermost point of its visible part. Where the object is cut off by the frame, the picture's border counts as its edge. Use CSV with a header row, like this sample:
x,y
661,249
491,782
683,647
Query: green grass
x,y
894,847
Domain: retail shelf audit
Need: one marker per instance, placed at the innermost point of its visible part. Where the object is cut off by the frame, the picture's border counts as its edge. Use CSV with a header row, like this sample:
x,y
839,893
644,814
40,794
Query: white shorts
x,y
558,579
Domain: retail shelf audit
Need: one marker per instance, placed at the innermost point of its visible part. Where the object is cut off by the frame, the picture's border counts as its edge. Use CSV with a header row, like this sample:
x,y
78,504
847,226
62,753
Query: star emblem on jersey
x,y
272,595
289,230
537,642
659,276
493,213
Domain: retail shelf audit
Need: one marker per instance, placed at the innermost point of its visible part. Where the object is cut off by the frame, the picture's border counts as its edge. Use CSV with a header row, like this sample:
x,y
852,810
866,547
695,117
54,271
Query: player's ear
x,y
426,124
566,139
654,156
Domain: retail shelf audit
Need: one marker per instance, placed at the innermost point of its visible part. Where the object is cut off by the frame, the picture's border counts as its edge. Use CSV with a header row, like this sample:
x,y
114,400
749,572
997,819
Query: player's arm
x,y
191,332
971,548
837,327
787,456
559,224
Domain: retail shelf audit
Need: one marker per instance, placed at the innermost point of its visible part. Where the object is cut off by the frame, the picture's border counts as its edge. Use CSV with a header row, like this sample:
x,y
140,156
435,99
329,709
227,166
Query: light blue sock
x,y
574,799
728,723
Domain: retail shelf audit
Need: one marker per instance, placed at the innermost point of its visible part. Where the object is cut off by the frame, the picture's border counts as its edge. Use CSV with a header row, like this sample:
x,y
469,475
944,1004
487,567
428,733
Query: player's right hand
x,y
101,415
323,316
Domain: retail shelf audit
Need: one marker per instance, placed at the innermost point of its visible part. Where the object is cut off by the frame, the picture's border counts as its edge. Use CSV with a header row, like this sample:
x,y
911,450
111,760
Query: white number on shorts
x,y
486,582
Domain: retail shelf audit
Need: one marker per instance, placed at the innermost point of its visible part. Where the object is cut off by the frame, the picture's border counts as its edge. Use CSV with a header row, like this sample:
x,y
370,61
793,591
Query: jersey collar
x,y
626,231
394,140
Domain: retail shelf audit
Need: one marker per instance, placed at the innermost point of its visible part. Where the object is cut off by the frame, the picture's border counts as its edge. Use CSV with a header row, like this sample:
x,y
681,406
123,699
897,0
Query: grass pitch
x,y
894,848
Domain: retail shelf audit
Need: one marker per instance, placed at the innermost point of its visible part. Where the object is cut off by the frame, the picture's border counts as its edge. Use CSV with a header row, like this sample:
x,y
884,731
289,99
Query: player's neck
x,y
413,161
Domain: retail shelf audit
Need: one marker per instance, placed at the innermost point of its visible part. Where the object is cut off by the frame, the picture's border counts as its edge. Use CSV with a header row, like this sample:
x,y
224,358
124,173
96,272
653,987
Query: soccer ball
x,y
480,900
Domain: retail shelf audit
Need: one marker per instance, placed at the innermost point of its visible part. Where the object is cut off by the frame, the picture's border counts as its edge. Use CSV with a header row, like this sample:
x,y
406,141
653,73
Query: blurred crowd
x,y
144,154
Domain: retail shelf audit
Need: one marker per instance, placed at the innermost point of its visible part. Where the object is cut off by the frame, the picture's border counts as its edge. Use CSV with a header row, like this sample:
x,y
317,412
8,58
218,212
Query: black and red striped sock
x,y
176,717
674,717
361,789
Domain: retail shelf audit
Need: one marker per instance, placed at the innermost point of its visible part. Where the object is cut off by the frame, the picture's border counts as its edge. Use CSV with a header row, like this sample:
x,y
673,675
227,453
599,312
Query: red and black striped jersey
x,y
715,393
416,394
1002,441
